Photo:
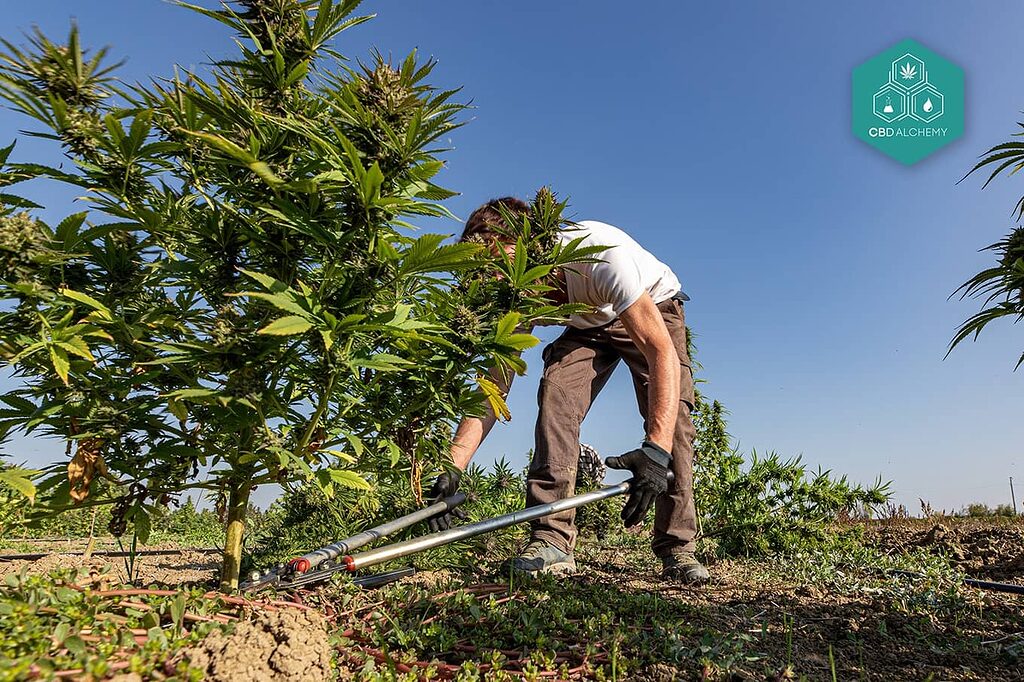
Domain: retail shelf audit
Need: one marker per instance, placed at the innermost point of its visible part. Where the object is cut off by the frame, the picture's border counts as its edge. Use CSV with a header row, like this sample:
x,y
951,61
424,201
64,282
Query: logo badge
x,y
908,102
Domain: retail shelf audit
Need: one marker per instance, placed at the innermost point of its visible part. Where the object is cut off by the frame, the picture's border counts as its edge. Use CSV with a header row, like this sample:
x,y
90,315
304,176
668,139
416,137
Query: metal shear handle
x,y
342,547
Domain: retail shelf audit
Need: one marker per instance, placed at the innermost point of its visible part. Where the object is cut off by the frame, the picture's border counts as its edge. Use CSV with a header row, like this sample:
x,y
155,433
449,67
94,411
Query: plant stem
x,y
315,418
238,503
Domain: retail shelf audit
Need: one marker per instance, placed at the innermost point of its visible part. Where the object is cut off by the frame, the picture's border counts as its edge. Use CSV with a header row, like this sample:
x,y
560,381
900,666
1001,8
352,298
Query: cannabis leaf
x,y
908,71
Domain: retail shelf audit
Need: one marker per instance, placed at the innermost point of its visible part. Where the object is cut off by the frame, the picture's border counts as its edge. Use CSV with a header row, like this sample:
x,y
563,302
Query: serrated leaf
x,y
17,402
282,301
61,364
176,408
289,325
349,479
383,362
356,443
20,480
520,341
395,452
76,346
87,300
506,325
494,397
143,524
372,181
193,393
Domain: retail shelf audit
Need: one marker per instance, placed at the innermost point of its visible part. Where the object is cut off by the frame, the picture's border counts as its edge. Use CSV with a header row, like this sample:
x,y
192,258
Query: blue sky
x,y
718,134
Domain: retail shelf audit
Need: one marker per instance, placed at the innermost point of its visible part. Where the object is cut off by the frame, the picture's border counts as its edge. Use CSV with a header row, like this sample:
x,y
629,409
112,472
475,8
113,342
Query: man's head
x,y
486,224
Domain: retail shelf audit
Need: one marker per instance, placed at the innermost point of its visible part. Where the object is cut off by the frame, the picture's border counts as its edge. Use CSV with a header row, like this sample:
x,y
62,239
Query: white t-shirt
x,y
624,272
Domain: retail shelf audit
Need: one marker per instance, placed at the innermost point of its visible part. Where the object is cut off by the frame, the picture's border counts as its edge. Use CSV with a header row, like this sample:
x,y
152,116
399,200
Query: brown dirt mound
x,y
988,551
280,645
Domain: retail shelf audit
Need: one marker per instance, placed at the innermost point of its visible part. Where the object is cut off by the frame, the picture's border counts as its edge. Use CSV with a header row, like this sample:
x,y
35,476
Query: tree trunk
x,y
238,504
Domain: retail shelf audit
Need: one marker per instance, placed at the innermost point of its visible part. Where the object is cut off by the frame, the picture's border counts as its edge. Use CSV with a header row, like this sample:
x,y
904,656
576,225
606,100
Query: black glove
x,y
445,485
649,464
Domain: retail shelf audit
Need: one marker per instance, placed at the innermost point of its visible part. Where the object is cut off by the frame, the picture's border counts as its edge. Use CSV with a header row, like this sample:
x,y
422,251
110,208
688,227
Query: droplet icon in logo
x,y
927,106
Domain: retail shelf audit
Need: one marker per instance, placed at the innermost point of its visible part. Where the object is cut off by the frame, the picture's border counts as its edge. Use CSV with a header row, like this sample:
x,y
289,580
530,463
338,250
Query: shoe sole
x,y
674,577
562,568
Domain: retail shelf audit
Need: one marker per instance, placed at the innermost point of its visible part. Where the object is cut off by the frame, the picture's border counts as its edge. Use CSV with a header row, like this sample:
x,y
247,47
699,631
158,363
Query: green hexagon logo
x,y
908,102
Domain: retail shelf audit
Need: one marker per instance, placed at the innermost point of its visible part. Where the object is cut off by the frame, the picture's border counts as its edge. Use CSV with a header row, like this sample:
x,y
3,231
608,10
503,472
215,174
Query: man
x,y
636,316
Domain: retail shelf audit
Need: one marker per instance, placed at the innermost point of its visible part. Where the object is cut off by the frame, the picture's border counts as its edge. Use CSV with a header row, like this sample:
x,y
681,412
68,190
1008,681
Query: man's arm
x,y
468,436
472,430
646,327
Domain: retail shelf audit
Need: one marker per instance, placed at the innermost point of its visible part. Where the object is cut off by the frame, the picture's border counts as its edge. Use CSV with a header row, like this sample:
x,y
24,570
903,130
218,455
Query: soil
x,y
187,567
985,548
279,645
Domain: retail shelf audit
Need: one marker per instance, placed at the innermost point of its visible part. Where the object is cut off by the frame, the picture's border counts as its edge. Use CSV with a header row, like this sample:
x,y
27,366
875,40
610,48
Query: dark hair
x,y
487,220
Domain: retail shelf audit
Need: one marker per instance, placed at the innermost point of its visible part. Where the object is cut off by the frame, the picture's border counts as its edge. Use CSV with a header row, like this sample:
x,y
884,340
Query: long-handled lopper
x,y
317,566
379,555
300,570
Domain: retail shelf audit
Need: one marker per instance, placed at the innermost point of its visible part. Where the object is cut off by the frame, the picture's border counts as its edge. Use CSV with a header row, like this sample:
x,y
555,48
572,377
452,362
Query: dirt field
x,y
893,610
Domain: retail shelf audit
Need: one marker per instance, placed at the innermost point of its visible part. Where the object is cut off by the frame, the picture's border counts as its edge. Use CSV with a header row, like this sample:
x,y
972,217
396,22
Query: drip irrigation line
x,y
109,553
989,585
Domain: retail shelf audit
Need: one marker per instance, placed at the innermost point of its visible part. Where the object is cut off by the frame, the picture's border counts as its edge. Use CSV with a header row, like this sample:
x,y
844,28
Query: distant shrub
x,y
982,510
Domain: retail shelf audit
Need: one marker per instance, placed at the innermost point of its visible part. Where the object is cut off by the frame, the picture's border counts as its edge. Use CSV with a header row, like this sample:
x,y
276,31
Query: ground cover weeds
x,y
839,608
77,621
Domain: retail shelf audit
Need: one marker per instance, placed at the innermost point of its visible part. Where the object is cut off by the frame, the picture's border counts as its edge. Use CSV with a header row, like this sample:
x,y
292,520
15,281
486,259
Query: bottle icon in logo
x,y
887,109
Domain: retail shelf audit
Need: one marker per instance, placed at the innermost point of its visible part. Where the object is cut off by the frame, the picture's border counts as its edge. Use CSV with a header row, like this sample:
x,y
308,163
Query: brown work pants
x,y
577,365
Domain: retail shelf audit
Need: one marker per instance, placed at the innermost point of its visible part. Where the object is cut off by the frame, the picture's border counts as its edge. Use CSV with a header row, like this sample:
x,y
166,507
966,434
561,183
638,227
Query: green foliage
x,y
48,624
190,527
184,526
244,293
304,518
597,518
777,505
18,480
982,510
1001,287
766,504
634,629
541,628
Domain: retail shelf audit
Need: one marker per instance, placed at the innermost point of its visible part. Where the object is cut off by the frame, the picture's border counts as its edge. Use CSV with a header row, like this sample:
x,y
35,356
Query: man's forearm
x,y
472,430
663,397
468,436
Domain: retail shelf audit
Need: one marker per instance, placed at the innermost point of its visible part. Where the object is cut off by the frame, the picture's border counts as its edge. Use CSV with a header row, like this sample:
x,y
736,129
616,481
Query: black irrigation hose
x,y
970,582
109,553
995,587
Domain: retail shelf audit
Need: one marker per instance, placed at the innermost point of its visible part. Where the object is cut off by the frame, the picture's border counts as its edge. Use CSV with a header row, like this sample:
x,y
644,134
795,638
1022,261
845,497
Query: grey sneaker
x,y
541,557
684,567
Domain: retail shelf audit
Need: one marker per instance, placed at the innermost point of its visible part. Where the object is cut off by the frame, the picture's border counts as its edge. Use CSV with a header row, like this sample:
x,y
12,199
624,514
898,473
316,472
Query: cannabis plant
x,y
1001,286
765,504
243,300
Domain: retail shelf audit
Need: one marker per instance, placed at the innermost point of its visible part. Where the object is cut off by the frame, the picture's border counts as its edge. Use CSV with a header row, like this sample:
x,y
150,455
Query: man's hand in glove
x,y
649,464
445,485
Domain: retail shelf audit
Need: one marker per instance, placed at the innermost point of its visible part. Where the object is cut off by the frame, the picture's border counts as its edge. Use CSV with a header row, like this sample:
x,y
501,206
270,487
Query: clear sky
x,y
718,135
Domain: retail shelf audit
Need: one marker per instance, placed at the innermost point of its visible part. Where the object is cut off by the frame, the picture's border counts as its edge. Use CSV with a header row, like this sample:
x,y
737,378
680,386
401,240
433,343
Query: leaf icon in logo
x,y
908,71
927,106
